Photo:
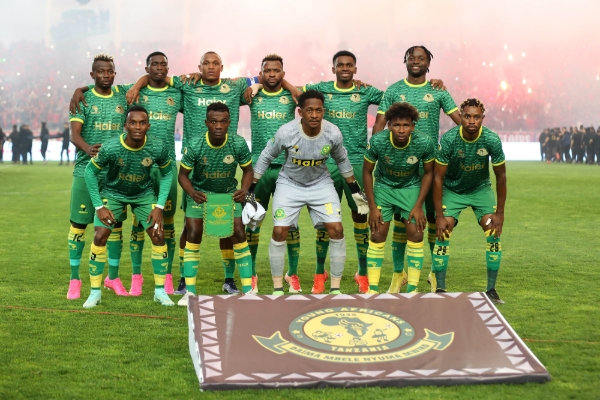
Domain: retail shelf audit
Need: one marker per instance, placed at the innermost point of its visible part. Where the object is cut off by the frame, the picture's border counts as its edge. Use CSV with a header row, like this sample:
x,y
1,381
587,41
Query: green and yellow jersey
x,y
398,167
214,167
425,99
347,109
103,118
468,160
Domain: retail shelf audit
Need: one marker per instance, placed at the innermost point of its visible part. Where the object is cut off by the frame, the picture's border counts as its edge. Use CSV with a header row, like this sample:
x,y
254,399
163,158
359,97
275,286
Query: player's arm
x,y
91,181
442,228
455,116
417,211
375,217
166,178
380,122
498,216
186,184
273,149
246,191
78,97
77,139
340,156
133,94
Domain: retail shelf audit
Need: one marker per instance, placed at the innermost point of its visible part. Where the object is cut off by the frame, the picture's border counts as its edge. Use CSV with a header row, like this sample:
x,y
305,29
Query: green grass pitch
x,y
134,348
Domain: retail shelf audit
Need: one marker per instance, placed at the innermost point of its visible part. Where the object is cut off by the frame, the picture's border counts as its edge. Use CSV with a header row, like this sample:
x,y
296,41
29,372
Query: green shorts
x,y
141,209
395,201
266,185
171,203
194,210
482,201
340,183
82,209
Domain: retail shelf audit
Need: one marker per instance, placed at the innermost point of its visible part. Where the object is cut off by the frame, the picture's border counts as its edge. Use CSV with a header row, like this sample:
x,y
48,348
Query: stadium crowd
x,y
577,145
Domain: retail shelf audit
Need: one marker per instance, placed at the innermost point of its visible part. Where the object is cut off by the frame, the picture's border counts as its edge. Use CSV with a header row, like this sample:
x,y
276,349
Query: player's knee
x,y
194,235
280,233
239,235
101,237
158,240
335,231
361,218
378,237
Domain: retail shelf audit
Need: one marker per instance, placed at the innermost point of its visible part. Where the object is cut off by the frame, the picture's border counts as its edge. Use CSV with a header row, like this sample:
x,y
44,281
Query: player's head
x,y
271,71
211,66
103,70
312,108
472,113
401,119
417,60
344,66
136,123
157,66
217,120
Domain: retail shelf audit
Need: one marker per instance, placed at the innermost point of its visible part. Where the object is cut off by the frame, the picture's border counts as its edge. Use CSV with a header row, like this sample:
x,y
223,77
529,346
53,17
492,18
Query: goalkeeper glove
x,y
359,197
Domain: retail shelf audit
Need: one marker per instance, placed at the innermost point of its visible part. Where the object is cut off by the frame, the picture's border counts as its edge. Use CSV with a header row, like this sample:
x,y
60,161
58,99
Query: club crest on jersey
x,y
170,101
402,97
204,160
326,149
387,160
146,162
120,162
428,98
198,90
461,154
260,100
284,100
225,88
95,110
120,109
330,96
228,159
355,97
145,99
482,152
412,160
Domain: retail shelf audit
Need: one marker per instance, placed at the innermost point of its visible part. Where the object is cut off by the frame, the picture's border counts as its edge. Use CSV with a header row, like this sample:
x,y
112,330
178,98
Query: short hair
x,y
402,110
102,57
156,53
136,109
411,51
472,103
271,57
310,94
343,53
217,107
211,52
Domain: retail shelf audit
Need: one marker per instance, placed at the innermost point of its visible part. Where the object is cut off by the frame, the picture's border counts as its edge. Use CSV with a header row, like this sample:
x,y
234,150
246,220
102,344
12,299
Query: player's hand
x,y
249,94
437,84
360,84
106,216
132,95
295,94
375,219
156,217
496,224
239,196
442,227
250,198
419,216
192,78
359,197
78,97
199,197
93,150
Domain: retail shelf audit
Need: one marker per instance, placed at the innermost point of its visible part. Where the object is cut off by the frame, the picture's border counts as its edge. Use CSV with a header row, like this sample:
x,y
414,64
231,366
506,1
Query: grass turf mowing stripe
x,y
92,312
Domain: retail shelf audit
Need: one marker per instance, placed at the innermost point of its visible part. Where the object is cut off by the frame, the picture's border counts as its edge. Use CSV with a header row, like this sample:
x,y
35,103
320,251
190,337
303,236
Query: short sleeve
x,y
386,101
79,116
188,160
371,153
442,155
123,88
496,152
374,95
101,159
243,152
310,86
176,83
448,104
429,154
165,159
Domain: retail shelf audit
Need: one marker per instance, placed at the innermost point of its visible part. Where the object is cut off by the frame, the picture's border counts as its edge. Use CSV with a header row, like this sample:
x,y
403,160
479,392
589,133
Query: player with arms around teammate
x,y
461,180
418,91
398,189
209,165
304,180
128,161
101,119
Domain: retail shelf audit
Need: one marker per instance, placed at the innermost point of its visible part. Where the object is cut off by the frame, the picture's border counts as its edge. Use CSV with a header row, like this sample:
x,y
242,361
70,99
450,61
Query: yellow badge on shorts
x,y
482,152
355,97
228,159
120,109
146,162
284,100
170,101
428,98
225,88
412,160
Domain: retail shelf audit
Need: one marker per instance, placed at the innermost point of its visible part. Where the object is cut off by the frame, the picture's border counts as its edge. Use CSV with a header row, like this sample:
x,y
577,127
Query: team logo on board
x,y
225,88
146,162
355,97
412,160
353,335
120,109
219,212
170,101
482,152
228,159
284,100
326,149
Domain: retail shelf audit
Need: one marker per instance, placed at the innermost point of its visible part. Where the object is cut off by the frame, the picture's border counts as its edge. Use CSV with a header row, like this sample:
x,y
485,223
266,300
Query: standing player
x,y
163,102
398,189
128,161
209,165
304,180
418,91
98,121
461,180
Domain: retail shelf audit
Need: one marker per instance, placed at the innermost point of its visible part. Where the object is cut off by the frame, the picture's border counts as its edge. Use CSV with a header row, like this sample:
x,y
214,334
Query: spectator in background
x,y
65,144
588,142
543,137
44,135
15,139
565,144
551,146
597,146
576,145
2,140
26,138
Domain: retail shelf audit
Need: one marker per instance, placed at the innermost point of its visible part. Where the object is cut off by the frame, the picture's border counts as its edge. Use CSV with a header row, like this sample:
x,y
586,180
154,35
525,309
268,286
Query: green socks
x,y
97,261
293,249
431,235
114,246
228,258
361,236
169,226
398,245
414,259
76,240
243,261
191,259
253,238
136,247
493,256
159,256
374,261
440,257
322,247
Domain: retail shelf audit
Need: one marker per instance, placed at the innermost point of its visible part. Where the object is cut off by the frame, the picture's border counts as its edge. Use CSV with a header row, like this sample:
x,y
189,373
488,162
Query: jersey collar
x,y
343,90
413,85
131,148
202,82
158,89
263,91
108,96
216,147
471,141
396,147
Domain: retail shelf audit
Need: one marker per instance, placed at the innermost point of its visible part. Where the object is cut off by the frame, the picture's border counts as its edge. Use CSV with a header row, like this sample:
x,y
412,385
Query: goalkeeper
x,y
304,180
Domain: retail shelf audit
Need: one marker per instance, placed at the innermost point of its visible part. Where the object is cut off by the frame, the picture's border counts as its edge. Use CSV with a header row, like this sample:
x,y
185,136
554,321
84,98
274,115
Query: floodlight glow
x,y
503,85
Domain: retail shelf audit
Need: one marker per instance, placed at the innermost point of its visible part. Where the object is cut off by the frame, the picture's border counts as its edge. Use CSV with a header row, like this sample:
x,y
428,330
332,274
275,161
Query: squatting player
x,y
101,119
304,180
461,180
418,91
398,189
209,165
162,102
128,160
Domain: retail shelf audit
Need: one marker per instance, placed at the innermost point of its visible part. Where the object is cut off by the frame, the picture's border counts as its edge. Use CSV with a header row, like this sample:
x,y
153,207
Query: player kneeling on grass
x,y
398,189
128,160
304,180
208,166
462,179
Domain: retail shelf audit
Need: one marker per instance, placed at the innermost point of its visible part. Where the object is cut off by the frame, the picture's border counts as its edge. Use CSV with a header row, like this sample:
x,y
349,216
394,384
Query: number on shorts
x,y
328,208
168,205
